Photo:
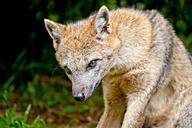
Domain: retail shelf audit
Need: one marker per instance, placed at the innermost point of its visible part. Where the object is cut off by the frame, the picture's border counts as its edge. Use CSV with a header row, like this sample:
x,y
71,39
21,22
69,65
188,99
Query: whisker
x,y
56,68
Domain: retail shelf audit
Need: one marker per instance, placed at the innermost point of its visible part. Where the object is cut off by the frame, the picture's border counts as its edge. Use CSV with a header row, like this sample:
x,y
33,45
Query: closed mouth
x,y
97,84
92,88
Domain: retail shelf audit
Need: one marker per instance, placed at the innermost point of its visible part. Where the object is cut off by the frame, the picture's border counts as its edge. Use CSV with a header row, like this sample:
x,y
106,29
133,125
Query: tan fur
x,y
145,68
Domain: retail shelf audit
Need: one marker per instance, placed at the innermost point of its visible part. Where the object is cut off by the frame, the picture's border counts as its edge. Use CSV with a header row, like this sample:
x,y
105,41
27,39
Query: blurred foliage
x,y
29,73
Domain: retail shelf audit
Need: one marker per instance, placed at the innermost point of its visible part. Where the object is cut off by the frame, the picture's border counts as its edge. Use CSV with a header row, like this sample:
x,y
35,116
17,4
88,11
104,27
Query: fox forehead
x,y
89,51
79,35
77,42
67,55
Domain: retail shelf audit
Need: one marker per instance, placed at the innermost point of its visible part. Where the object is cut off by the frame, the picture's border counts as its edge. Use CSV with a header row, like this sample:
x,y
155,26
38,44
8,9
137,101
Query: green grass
x,y
13,119
50,97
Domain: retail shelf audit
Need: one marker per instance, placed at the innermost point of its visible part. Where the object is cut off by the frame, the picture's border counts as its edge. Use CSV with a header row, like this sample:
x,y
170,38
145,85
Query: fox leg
x,y
137,100
185,120
114,108
181,114
134,115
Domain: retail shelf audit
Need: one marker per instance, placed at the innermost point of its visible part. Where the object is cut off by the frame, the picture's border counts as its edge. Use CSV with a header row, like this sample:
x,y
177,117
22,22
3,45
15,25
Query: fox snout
x,y
82,93
79,93
80,96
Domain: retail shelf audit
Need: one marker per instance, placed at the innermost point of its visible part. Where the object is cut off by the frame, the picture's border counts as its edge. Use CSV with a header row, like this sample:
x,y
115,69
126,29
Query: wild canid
x,y
145,69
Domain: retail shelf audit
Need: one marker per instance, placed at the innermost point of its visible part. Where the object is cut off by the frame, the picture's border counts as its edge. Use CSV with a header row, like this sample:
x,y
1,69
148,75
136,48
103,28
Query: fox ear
x,y
54,30
102,23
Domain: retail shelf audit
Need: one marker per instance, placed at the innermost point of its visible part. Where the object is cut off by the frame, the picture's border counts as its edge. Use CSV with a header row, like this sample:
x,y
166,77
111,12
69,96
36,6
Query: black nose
x,y
80,97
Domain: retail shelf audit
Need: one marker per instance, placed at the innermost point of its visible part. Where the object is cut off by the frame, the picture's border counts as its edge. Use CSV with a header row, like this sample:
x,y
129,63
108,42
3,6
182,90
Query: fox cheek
x,y
97,72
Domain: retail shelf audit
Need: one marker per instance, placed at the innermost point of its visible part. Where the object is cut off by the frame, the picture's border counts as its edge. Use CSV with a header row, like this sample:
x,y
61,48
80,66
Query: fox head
x,y
86,50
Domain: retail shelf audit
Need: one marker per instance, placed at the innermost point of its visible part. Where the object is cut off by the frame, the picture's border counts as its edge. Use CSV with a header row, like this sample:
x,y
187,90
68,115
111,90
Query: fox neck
x,y
128,58
134,46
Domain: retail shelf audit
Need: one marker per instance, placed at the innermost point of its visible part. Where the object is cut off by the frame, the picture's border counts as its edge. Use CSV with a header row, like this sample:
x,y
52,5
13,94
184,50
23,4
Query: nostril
x,y
80,97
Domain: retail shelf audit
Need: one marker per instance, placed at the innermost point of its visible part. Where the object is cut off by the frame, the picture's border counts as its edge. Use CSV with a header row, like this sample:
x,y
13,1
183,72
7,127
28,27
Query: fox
x,y
136,56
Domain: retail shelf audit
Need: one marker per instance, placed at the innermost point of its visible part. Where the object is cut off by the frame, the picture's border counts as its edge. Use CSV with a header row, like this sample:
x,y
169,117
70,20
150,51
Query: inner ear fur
x,y
102,23
54,29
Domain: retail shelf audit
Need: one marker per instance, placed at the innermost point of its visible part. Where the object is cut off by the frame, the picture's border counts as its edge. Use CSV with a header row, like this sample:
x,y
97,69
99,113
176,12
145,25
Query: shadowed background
x,y
30,77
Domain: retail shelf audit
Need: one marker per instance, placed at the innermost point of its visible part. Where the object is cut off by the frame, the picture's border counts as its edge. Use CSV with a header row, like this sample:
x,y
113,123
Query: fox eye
x,y
67,70
92,64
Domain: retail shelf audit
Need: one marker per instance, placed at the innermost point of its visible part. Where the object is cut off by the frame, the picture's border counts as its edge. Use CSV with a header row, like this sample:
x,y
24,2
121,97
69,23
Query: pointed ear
x,y
54,29
102,23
